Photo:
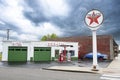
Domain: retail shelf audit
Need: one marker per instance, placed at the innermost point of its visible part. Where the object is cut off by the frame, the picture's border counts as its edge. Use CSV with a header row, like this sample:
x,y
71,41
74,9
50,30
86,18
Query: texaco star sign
x,y
93,19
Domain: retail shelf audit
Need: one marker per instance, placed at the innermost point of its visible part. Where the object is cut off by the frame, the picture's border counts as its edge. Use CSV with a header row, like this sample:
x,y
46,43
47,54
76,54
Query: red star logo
x,y
93,18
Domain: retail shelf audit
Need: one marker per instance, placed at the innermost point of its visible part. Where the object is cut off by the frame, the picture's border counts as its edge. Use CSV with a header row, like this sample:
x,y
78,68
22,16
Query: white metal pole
x,y
95,62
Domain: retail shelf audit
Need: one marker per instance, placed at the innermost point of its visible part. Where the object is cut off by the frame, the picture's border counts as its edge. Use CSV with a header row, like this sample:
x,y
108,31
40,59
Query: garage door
x,y
42,54
17,53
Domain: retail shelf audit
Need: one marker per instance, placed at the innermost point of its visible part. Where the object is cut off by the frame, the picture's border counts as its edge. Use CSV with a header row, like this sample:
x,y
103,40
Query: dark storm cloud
x,y
36,18
10,26
112,17
36,15
69,25
5,26
73,24
110,9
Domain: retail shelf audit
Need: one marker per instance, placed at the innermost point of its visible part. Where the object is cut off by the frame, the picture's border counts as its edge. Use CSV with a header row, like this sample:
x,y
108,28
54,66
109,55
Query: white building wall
x,y
30,47
5,52
29,51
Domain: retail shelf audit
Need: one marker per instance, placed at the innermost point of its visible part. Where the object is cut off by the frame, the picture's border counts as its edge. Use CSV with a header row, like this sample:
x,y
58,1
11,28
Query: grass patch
x,y
0,56
74,58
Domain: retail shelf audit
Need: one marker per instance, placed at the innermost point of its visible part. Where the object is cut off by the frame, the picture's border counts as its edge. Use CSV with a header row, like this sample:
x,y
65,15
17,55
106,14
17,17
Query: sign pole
x,y
94,19
94,41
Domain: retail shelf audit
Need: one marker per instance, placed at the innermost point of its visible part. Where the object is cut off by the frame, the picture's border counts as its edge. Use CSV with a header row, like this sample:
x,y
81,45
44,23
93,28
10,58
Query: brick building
x,y
105,44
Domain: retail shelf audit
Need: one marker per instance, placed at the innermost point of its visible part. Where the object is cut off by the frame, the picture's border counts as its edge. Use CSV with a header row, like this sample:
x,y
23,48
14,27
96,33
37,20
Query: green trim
x,y
31,59
53,58
74,58
0,56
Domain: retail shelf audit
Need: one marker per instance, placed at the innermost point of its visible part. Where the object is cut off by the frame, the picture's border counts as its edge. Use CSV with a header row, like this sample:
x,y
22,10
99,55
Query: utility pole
x,y
8,35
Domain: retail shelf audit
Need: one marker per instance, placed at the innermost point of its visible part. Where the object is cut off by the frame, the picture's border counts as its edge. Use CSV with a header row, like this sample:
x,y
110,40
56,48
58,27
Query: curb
x,y
94,72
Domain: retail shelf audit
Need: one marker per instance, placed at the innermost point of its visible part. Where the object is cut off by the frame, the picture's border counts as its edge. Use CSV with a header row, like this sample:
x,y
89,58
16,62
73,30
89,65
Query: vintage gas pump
x,y
64,53
61,57
68,56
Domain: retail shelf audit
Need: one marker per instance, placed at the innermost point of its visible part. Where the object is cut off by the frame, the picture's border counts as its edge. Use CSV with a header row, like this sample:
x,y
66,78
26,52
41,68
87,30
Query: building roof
x,y
83,38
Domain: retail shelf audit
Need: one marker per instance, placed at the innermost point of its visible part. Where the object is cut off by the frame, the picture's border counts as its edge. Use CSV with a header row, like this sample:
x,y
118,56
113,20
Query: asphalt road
x,y
17,73
34,71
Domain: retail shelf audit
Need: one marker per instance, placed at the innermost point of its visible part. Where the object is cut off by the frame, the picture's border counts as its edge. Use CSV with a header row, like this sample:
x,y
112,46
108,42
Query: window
x,y
11,49
71,45
24,49
36,50
42,50
17,49
56,54
65,51
72,52
47,49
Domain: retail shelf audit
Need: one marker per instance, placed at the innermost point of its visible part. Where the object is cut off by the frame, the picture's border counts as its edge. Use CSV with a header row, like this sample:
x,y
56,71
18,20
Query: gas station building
x,y
38,50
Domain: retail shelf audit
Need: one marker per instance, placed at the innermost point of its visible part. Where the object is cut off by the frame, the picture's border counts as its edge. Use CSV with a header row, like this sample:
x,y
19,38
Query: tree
x,y
53,36
48,36
44,38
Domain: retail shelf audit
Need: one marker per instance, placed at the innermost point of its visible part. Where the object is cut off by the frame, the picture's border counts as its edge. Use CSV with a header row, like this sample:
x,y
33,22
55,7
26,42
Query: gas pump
x,y
61,57
68,56
64,53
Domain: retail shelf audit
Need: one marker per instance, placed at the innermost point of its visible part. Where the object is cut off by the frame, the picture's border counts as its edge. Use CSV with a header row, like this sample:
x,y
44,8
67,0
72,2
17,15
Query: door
x,y
42,54
56,55
17,53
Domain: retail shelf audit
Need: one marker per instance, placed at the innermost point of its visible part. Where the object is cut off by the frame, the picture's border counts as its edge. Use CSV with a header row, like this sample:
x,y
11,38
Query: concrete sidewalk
x,y
114,67
73,69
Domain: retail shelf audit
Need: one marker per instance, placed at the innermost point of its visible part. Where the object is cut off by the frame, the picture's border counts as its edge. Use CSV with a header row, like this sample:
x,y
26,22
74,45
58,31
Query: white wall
x,y
30,53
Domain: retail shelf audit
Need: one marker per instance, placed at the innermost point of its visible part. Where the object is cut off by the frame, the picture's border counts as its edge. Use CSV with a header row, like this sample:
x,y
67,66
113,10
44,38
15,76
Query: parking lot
x,y
86,63
34,71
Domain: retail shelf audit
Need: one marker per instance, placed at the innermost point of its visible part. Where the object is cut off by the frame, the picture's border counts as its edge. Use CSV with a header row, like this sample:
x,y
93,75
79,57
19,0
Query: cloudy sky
x,y
31,19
